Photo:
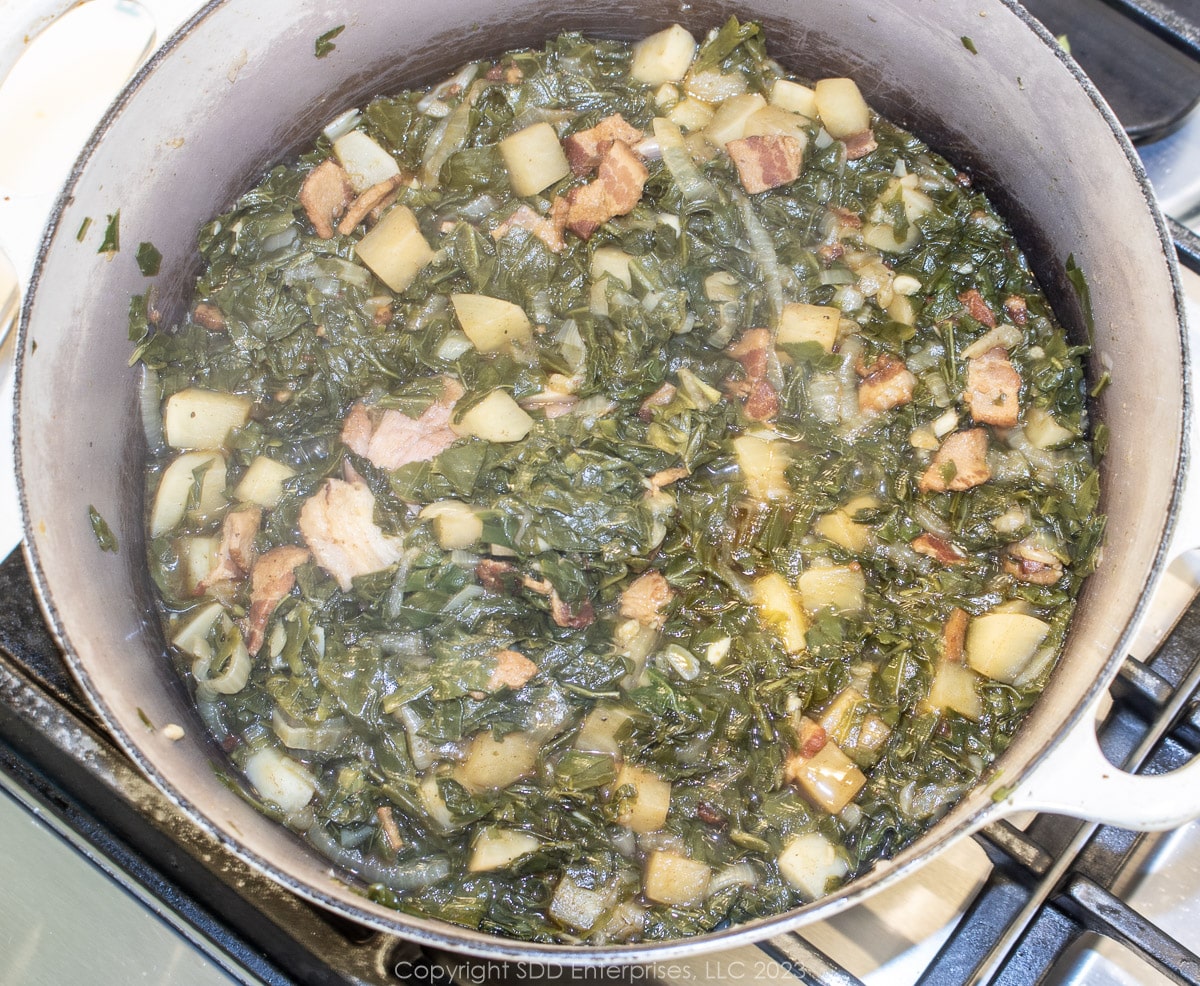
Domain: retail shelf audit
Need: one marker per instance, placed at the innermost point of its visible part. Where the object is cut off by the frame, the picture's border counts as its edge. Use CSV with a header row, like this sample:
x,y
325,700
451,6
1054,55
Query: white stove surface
x,y
73,922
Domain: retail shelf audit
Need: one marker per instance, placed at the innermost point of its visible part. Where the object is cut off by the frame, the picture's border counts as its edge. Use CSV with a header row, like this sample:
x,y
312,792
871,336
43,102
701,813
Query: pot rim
x,y
477,944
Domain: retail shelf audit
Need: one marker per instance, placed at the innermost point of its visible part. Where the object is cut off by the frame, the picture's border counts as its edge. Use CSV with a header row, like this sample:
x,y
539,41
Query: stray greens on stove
x,y
617,491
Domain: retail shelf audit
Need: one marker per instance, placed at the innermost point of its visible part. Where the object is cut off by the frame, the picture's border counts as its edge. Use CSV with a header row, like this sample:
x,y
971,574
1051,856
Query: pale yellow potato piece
x,y
492,324
1001,645
197,557
492,764
598,734
534,158
496,418
810,863
729,121
647,810
840,527
1043,430
262,482
809,323
573,906
663,57
395,248
455,524
198,418
435,805
364,160
881,234
672,878
779,606
691,114
279,778
191,636
830,779
175,486
794,97
611,262
771,120
957,688
838,587
496,848
763,464
841,107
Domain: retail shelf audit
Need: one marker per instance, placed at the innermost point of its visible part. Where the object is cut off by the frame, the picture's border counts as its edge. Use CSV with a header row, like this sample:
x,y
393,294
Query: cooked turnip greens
x,y
617,491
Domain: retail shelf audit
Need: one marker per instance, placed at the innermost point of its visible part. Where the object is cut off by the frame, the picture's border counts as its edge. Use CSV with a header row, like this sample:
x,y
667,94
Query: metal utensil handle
x,y
25,20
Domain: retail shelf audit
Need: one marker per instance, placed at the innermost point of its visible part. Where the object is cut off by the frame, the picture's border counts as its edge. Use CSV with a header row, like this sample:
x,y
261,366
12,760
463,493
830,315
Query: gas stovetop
x,y
1055,900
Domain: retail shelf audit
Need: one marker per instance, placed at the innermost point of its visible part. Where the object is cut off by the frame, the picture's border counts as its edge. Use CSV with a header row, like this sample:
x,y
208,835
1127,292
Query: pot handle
x,y
1077,779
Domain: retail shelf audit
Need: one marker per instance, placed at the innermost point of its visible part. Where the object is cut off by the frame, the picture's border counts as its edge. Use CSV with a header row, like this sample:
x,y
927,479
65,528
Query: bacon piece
x,y
236,554
616,190
993,389
977,308
549,231
660,398
391,831
960,463
812,738
271,579
325,194
1016,309
1028,561
210,316
954,636
505,73
665,477
885,384
570,617
491,574
937,549
830,252
585,149
766,161
368,202
338,525
753,351
513,670
645,598
859,145
392,439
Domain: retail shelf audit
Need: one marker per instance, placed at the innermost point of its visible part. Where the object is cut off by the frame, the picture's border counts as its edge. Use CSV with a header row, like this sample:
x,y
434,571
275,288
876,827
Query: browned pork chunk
x,y
271,579
339,527
766,161
391,439
620,179
325,195
585,149
960,463
885,384
993,389
646,598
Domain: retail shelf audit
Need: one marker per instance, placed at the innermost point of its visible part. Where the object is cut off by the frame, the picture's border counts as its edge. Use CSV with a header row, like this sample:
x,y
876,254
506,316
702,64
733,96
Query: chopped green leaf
x,y
969,45
112,234
83,228
1084,293
324,44
148,259
105,538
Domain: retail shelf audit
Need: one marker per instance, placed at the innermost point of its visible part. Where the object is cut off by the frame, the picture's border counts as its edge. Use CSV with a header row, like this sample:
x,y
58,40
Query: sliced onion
x,y
693,186
343,124
762,252
432,103
735,875
1004,335
280,779
322,737
233,676
151,408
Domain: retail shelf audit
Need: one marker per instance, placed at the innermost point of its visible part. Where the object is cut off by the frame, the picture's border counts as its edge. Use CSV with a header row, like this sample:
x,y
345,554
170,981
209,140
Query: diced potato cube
x,y
647,810
763,464
435,805
573,906
794,97
1044,431
492,324
721,286
729,121
829,778
841,528
612,262
196,418
175,486
880,233
773,120
493,763
364,160
901,310
455,524
841,106
496,418
534,158
956,687
279,778
839,587
666,95
691,114
1001,644
779,607
811,863
663,57
191,638
672,878
496,848
197,556
809,323
262,483
395,248
598,734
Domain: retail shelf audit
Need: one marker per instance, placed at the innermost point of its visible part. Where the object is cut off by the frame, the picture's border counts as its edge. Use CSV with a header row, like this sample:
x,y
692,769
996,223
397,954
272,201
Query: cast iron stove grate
x,y
1051,885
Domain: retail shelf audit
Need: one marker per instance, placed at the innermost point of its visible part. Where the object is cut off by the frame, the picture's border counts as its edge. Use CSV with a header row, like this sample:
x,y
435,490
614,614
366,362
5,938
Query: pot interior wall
x,y
244,88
